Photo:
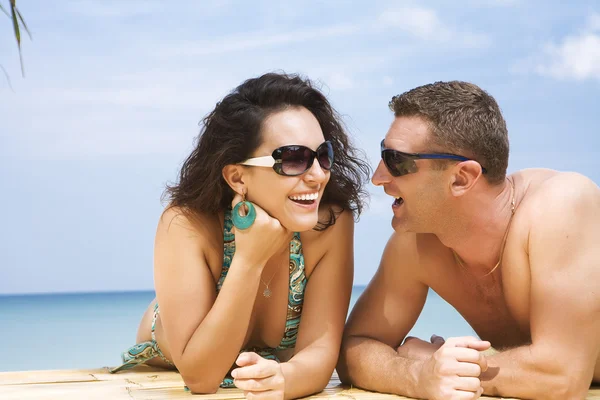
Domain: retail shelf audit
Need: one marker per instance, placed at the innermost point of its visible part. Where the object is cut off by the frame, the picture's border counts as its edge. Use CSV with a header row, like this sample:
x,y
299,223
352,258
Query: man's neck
x,y
479,229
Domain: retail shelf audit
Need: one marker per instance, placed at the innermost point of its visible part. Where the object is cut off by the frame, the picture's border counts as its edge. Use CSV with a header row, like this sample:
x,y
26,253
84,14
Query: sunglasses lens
x,y
325,155
294,160
397,163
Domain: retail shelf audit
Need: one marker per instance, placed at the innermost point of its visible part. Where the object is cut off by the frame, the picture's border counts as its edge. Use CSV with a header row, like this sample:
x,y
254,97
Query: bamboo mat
x,y
142,383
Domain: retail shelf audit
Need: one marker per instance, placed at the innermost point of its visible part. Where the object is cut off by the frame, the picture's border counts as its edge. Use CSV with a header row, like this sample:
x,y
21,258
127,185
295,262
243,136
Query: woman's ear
x,y
464,177
234,176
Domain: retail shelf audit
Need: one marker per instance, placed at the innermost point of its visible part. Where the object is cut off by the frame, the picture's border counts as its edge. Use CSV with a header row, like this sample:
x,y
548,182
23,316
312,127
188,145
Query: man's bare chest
x,y
495,313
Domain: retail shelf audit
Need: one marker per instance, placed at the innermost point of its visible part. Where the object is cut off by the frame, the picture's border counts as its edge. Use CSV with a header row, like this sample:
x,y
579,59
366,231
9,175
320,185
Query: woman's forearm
x,y
309,371
215,344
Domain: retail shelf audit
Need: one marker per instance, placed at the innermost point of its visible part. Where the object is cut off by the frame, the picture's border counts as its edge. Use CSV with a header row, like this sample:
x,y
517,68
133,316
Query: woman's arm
x,y
195,326
204,333
324,314
326,301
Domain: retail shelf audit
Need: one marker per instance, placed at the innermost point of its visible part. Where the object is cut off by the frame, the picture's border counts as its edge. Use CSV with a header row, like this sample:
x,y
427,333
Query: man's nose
x,y
381,175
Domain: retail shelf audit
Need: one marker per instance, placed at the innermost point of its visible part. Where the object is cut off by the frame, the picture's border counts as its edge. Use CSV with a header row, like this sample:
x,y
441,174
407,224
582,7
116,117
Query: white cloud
x,y
111,9
422,23
254,41
425,24
496,3
122,9
575,57
95,96
593,23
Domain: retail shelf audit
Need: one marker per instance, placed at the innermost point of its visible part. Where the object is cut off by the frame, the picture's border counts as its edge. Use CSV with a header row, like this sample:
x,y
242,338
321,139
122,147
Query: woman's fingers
x,y
256,385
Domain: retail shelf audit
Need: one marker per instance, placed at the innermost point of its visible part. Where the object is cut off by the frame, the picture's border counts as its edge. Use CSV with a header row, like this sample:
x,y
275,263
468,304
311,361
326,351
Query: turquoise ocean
x,y
90,330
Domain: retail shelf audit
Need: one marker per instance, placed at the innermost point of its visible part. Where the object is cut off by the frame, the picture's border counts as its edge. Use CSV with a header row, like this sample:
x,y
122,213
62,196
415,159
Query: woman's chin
x,y
300,223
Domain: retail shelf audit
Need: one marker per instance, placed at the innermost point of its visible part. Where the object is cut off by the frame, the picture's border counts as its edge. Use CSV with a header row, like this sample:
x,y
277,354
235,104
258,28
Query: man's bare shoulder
x,y
404,241
549,191
412,251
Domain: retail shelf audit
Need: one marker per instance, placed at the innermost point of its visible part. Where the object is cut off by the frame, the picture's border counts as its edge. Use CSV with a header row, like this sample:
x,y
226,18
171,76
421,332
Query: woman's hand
x,y
258,377
257,244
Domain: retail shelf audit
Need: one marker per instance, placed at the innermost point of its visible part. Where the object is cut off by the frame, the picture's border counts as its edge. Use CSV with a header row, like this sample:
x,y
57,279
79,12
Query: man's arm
x,y
565,299
381,318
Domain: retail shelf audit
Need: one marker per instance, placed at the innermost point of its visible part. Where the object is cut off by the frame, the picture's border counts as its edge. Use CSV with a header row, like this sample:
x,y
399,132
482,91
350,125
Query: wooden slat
x,y
143,383
143,374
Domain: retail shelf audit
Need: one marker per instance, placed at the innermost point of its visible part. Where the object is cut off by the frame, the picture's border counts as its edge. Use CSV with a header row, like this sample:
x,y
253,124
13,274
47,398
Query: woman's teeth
x,y
305,197
398,201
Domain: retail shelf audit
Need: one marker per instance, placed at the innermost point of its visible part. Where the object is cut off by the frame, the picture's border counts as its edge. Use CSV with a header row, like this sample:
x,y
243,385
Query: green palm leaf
x,y
7,78
4,11
15,20
18,22
23,23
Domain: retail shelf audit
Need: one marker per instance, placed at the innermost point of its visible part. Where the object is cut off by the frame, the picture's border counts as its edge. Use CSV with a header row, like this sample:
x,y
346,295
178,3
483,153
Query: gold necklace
x,y
267,292
512,212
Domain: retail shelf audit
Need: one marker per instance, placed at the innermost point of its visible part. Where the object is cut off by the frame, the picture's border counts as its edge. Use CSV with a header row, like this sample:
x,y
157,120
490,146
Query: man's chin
x,y
401,225
398,225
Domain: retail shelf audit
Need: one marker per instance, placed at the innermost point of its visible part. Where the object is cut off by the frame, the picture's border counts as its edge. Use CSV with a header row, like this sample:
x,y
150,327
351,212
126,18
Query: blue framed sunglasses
x,y
399,163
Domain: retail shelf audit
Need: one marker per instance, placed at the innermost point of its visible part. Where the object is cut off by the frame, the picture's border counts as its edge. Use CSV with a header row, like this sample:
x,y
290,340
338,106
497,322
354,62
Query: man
x,y
516,255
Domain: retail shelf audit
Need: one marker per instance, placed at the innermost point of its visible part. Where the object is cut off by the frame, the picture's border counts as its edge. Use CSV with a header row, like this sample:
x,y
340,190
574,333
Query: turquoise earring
x,y
243,222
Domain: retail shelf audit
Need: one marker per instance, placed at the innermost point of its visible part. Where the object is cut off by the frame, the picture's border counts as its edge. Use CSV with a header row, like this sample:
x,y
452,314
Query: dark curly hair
x,y
232,131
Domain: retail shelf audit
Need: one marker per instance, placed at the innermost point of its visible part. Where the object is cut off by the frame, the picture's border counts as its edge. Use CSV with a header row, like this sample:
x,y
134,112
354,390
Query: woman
x,y
264,286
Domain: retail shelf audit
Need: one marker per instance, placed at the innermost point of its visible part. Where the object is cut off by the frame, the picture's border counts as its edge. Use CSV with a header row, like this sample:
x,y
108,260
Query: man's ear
x,y
234,176
464,177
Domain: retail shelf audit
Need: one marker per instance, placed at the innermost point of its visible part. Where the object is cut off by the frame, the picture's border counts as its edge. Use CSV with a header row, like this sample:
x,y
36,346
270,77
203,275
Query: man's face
x,y
419,197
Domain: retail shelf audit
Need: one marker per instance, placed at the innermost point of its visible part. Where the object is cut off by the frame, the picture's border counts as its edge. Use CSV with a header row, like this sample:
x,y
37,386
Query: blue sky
x,y
114,92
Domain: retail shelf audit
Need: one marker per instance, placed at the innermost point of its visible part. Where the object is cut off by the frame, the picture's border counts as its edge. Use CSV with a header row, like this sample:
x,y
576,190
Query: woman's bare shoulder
x,y
197,222
200,233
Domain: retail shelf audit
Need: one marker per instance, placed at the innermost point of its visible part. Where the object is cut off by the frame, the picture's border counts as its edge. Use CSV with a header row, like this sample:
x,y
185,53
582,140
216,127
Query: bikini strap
x,y
228,247
296,293
297,279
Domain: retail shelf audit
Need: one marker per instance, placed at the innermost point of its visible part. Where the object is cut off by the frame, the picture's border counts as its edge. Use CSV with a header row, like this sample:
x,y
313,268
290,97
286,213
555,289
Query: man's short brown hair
x,y
463,119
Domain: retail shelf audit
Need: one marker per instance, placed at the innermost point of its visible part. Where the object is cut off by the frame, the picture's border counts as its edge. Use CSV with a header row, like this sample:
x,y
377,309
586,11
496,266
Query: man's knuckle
x,y
445,352
446,393
445,369
438,369
279,380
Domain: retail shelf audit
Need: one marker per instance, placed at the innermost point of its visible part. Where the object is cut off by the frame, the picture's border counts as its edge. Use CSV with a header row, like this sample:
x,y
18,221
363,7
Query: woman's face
x,y
293,200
